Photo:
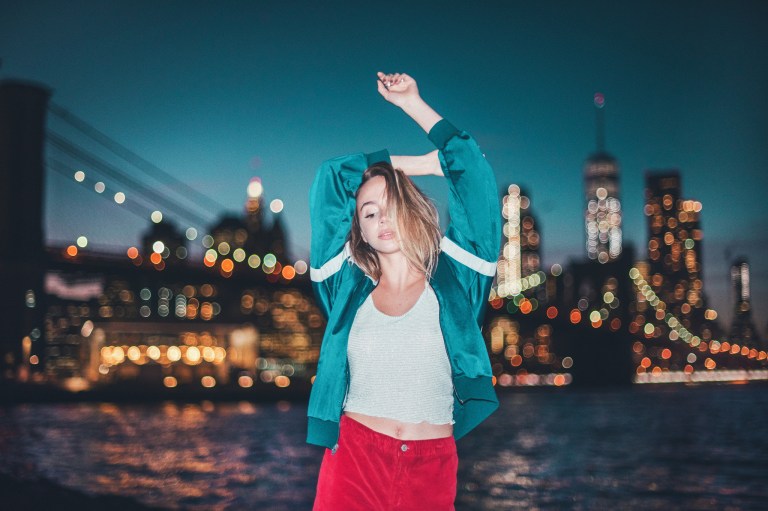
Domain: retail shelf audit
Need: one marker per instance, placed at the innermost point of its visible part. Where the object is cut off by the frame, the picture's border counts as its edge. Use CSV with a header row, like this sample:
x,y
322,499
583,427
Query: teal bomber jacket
x,y
461,281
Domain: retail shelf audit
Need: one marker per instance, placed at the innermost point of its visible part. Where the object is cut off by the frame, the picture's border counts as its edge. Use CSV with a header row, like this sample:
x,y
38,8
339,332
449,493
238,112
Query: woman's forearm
x,y
418,110
421,165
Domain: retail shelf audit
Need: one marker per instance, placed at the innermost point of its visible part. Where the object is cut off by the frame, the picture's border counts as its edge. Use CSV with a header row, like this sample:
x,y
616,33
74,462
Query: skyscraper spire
x,y
602,216
599,101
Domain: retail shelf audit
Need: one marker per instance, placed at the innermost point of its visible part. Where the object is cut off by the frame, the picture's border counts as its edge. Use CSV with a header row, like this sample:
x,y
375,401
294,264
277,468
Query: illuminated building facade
x,y
742,329
520,256
675,247
155,331
672,325
602,216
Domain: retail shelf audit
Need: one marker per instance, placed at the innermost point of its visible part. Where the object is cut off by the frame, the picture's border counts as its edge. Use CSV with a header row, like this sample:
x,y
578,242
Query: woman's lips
x,y
386,235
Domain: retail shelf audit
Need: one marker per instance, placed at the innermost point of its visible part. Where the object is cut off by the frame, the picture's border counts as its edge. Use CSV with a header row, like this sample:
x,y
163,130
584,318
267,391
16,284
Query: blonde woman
x,y
403,368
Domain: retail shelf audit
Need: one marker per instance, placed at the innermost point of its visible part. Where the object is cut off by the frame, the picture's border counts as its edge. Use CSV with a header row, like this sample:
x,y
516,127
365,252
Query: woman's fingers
x,y
390,79
382,88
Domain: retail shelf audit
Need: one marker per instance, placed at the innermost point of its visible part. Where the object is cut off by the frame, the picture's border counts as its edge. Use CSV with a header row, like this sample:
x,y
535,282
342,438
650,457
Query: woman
x,y
403,367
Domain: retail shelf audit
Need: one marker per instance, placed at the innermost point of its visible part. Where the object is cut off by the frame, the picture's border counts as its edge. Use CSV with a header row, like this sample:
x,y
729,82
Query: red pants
x,y
374,472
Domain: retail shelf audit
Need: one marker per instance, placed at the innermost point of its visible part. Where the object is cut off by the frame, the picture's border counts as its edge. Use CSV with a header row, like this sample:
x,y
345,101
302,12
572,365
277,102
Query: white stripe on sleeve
x,y
331,267
466,258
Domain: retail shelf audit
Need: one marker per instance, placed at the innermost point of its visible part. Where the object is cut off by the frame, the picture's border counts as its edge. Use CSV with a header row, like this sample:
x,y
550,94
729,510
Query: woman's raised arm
x,y
421,165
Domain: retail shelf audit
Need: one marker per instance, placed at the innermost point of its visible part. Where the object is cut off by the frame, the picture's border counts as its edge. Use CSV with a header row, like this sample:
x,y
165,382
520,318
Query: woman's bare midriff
x,y
403,430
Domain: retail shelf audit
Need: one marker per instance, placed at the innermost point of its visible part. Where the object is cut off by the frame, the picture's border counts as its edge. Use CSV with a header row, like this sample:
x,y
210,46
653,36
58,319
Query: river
x,y
644,447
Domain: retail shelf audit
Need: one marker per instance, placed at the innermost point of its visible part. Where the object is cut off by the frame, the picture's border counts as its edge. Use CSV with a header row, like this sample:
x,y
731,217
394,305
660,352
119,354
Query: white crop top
x,y
398,365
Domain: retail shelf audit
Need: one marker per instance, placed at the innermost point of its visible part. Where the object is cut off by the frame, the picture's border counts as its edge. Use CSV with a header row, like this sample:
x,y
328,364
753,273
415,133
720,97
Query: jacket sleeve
x,y
331,206
473,236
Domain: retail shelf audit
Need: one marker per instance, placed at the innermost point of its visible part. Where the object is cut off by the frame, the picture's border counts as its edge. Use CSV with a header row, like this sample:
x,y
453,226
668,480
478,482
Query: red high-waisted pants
x,y
374,472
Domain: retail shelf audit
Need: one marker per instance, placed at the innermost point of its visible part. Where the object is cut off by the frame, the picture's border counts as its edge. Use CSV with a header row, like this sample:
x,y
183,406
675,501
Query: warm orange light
x,y
493,381
645,362
227,265
71,251
745,351
710,364
656,371
735,349
516,360
688,369
552,314
133,252
156,258
615,324
575,316
526,306
666,353
289,272
245,381
597,324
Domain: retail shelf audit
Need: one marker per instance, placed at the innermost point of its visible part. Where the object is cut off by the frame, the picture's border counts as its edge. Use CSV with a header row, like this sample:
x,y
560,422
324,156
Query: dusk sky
x,y
215,93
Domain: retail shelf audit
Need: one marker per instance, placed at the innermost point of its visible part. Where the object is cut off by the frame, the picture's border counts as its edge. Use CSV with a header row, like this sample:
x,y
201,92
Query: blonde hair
x,y
415,217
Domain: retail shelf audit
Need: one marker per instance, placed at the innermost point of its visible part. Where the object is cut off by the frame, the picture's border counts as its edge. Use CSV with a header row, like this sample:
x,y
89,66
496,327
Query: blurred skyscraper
x,y
520,255
249,234
742,329
602,216
675,252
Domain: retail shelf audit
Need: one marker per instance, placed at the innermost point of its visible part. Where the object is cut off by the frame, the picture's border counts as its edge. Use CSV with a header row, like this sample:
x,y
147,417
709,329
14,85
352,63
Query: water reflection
x,y
190,456
641,448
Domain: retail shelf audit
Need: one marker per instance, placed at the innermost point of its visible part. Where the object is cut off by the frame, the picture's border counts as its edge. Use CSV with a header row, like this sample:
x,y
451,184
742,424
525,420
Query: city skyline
x,y
245,103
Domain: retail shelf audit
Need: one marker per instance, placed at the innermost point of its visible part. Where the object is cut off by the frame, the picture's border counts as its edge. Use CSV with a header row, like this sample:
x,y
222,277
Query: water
x,y
700,448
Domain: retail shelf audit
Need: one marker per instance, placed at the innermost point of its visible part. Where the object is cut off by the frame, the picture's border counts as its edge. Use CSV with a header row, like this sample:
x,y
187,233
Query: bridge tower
x,y
23,109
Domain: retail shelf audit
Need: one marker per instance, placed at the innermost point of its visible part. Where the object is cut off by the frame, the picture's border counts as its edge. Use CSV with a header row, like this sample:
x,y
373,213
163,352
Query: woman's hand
x,y
401,90
398,88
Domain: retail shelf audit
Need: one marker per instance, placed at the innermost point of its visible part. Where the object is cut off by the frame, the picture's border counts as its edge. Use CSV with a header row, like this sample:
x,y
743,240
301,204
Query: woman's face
x,y
378,230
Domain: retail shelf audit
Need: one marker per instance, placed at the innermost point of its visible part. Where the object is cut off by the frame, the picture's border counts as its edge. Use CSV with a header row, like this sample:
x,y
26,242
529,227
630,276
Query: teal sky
x,y
217,92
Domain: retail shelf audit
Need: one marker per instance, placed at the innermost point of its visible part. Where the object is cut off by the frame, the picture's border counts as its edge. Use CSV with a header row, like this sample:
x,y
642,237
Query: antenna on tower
x,y
599,100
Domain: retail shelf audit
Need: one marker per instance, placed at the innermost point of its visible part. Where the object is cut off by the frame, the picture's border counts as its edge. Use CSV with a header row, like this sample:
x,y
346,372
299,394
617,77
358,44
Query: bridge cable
x,y
131,157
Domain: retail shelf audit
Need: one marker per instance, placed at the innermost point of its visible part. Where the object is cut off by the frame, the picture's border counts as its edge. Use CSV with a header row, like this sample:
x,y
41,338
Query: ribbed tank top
x,y
398,365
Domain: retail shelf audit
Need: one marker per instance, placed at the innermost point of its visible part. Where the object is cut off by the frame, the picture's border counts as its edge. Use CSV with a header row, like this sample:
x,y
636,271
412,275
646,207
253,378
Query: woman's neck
x,y
396,272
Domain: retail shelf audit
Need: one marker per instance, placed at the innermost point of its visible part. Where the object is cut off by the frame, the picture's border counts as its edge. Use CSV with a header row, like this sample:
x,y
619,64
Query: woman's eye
x,y
369,215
